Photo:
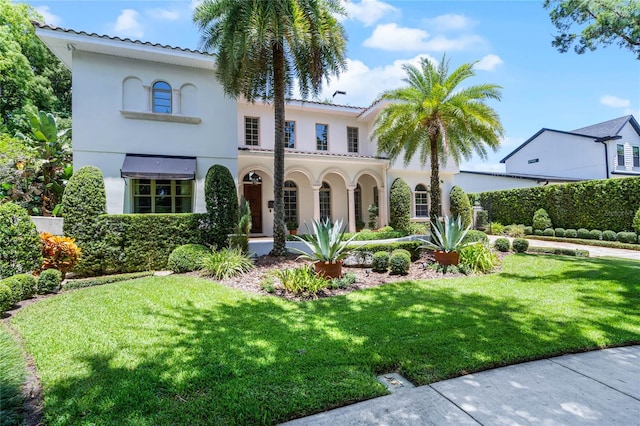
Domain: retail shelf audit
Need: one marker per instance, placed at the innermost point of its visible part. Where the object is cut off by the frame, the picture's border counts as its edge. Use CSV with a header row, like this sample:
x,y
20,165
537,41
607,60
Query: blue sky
x,y
510,39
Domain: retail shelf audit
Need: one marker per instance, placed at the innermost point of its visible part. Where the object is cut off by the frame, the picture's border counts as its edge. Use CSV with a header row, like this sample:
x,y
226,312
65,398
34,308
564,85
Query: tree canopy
x,y
30,75
598,22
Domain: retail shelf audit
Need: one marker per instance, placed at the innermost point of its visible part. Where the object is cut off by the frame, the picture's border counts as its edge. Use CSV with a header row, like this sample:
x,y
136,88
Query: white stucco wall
x,y
559,154
102,135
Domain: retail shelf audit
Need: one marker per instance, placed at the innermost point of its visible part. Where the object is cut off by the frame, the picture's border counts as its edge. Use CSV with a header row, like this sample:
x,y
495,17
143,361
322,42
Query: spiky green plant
x,y
327,242
447,236
226,263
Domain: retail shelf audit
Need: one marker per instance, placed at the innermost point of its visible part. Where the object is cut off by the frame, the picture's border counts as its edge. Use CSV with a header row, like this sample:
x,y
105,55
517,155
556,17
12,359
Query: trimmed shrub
x,y
520,245
413,247
19,241
221,199
6,298
595,234
187,258
583,233
541,219
559,251
48,281
400,205
549,232
478,258
460,206
609,235
399,263
502,244
23,286
528,230
559,232
571,233
90,282
418,229
343,282
514,231
474,235
636,221
401,251
538,232
495,228
627,237
380,262
482,219
83,201
59,252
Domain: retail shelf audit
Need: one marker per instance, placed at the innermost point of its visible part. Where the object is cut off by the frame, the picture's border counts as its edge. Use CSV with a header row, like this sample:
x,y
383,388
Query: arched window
x,y
325,201
161,97
357,195
421,198
290,201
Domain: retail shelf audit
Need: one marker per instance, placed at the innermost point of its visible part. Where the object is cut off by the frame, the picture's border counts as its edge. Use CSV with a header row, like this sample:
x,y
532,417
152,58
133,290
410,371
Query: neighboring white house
x,y
603,150
154,119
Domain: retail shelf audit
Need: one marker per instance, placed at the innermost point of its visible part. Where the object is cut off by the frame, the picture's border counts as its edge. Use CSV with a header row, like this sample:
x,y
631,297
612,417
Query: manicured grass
x,y
182,350
12,377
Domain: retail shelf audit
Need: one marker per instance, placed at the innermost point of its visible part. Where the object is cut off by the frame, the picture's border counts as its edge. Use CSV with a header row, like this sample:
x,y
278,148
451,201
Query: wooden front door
x,y
253,194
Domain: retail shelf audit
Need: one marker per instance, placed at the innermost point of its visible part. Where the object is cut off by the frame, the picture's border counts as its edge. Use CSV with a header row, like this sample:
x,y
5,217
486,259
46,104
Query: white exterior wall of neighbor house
x,y
102,135
559,154
476,183
629,139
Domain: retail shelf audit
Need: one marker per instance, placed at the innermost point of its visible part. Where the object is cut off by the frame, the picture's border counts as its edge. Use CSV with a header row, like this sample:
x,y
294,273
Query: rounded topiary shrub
x,y
401,251
520,245
636,221
549,232
460,206
502,244
83,201
595,234
400,205
627,237
399,263
528,230
23,286
187,258
6,298
221,199
482,219
538,232
609,235
559,232
19,241
48,281
380,261
583,233
570,233
541,220
476,236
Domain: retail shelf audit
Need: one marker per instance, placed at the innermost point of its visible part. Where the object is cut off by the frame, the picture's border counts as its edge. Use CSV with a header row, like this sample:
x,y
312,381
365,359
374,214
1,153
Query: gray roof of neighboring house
x,y
605,129
524,176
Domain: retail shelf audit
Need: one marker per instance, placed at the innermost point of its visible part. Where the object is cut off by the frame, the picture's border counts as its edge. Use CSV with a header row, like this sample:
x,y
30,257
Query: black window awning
x,y
138,166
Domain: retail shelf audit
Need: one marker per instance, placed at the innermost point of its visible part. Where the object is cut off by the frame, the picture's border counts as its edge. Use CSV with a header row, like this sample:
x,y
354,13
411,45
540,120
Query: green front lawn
x,y
183,350
12,377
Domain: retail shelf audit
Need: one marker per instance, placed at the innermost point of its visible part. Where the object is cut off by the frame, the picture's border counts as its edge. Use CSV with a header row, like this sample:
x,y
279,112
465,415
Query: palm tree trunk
x,y
435,178
279,241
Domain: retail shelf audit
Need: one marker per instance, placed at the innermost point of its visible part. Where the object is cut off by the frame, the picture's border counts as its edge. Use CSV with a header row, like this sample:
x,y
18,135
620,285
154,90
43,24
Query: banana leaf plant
x,y
326,242
447,236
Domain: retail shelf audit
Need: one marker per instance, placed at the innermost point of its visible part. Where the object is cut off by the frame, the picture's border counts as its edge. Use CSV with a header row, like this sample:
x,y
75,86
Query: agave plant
x,y
326,242
447,236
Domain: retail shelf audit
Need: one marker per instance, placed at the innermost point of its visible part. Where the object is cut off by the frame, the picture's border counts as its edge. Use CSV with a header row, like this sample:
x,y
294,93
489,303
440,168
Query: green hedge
x,y
596,204
559,251
595,243
413,247
90,282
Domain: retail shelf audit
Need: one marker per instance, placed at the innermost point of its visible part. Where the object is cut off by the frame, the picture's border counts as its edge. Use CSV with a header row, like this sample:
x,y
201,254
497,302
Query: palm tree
x,y
435,118
263,48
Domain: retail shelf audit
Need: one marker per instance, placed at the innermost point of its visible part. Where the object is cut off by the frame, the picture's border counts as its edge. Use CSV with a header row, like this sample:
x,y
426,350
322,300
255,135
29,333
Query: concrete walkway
x,y
598,388
593,250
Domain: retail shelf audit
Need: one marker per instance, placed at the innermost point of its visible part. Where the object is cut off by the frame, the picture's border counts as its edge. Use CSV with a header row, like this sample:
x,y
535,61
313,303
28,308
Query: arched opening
x,y
325,201
421,201
161,97
252,190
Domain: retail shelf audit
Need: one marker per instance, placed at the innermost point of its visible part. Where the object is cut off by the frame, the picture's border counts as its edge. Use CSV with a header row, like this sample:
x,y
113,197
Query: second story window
x,y
251,131
352,139
620,155
636,156
289,134
322,137
161,97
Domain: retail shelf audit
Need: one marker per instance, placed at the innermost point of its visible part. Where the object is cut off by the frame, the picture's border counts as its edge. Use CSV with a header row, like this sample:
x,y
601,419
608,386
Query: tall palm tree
x,y
263,48
436,118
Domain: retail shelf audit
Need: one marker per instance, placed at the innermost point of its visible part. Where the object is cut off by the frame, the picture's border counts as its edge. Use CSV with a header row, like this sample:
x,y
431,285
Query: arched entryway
x,y
252,190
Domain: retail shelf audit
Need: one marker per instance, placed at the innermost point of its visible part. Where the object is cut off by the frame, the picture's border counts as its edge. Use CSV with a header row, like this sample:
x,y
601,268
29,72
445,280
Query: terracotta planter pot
x,y
329,270
447,258
293,231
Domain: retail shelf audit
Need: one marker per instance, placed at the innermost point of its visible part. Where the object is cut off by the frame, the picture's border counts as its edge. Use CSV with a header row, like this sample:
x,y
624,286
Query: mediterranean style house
x,y
154,119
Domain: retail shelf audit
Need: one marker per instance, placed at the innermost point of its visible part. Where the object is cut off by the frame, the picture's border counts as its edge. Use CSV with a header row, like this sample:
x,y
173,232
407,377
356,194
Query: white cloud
x,y
369,11
394,38
128,25
614,101
448,22
163,14
49,17
489,63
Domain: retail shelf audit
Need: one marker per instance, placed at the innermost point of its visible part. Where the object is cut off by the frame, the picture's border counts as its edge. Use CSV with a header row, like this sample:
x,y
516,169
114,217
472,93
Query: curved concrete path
x,y
593,388
593,250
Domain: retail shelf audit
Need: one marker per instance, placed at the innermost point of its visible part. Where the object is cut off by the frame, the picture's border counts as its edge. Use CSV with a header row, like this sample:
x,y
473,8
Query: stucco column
x,y
352,207
175,102
147,94
316,202
383,207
